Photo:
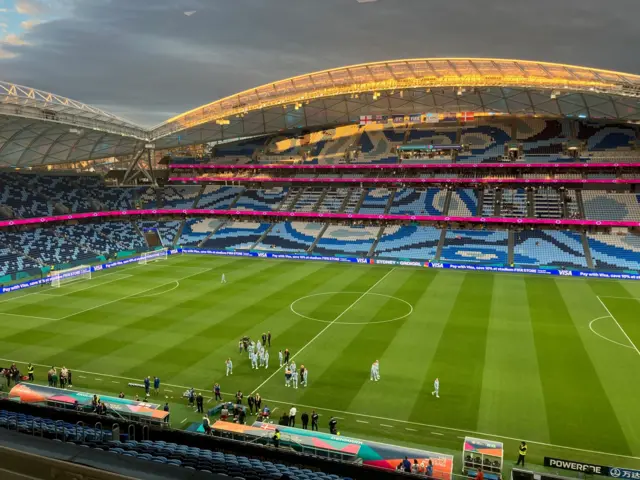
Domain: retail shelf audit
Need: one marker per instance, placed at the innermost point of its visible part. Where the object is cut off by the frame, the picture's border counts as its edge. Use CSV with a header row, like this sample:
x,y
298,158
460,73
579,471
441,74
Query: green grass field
x,y
518,357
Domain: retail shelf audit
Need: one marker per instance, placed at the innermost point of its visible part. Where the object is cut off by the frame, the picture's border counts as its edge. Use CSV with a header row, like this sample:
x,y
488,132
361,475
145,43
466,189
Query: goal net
x,y
153,256
62,277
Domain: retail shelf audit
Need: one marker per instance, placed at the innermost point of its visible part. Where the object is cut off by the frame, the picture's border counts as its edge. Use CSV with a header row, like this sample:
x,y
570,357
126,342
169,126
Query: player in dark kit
x,y
216,391
264,339
269,338
286,355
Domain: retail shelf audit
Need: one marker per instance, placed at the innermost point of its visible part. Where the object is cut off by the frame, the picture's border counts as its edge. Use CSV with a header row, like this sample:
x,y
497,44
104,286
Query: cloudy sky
x,y
145,60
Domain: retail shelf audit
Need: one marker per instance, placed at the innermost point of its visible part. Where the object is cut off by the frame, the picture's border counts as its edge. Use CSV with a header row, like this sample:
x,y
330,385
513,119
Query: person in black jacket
x,y
314,421
333,426
305,420
251,401
200,403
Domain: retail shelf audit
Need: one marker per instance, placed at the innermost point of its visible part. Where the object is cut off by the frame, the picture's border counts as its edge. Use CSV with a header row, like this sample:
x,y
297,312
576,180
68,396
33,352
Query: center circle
x,y
295,306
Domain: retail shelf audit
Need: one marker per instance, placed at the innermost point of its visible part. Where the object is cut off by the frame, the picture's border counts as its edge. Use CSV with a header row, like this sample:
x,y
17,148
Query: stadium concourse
x,y
337,232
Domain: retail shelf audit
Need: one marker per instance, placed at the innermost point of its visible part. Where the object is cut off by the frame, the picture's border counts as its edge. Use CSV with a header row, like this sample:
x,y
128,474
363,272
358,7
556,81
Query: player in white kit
x,y
266,359
280,358
254,360
375,371
436,388
294,375
223,279
305,376
229,365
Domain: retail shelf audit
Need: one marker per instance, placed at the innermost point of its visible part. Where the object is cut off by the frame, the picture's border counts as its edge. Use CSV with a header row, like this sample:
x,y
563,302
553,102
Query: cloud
x,y
145,60
13,39
30,7
28,24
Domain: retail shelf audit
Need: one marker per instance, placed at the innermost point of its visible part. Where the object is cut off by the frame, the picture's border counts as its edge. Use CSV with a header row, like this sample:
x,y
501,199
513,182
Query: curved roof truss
x,y
399,75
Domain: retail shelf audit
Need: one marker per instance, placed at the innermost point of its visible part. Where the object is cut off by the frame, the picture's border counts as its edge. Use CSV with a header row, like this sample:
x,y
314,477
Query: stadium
x,y
473,221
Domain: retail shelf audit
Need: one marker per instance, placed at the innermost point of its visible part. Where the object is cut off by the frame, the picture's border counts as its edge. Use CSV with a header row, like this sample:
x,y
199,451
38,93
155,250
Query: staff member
x,y
276,438
30,372
522,452
314,421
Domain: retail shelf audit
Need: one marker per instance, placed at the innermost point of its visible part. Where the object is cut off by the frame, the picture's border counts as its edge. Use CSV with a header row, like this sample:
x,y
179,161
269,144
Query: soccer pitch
x,y
549,360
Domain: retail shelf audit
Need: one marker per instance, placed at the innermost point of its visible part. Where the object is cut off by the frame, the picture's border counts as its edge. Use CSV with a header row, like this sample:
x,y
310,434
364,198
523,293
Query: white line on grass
x,y
437,433
130,296
27,316
362,415
177,284
324,329
620,298
385,425
602,336
183,421
362,421
619,326
411,429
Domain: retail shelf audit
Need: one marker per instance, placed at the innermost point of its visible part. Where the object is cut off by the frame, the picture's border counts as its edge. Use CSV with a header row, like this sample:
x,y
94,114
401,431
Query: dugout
x,y
121,408
484,455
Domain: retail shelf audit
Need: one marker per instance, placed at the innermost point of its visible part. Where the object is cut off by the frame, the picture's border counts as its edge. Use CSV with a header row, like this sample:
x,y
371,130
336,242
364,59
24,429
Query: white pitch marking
x,y
114,381
324,329
98,379
27,316
437,433
620,298
361,421
129,296
123,276
385,425
363,415
167,390
602,336
619,326
177,284
411,429
397,319
183,421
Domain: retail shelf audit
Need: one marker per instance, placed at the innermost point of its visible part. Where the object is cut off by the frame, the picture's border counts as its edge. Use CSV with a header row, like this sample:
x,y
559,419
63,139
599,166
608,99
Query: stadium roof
x,y
41,128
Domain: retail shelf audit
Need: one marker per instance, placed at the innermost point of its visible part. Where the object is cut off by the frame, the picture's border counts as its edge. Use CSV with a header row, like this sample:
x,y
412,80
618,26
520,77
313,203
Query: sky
x,y
146,61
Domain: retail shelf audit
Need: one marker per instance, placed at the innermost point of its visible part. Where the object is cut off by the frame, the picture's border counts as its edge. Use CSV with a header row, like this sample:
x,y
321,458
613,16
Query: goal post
x,y
153,256
68,275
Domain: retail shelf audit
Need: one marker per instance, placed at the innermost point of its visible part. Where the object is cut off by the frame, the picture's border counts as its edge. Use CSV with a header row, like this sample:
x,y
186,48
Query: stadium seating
x,y
294,237
22,200
333,200
90,237
375,201
409,201
615,251
477,246
124,234
602,137
341,240
308,199
513,203
377,146
46,246
11,262
486,143
411,242
196,230
237,235
542,138
600,205
166,230
547,203
180,197
218,196
159,451
464,203
550,248
262,200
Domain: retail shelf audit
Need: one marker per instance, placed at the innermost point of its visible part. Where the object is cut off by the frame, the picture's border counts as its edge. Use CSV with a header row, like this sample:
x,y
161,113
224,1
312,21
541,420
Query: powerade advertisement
x,y
592,468
371,261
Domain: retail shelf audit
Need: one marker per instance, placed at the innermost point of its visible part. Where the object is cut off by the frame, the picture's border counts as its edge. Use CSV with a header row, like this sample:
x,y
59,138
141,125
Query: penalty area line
x,y
633,345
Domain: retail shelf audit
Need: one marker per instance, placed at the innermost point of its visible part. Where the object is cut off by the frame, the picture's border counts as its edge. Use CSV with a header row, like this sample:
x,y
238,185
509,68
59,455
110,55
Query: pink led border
x,y
396,166
607,181
312,215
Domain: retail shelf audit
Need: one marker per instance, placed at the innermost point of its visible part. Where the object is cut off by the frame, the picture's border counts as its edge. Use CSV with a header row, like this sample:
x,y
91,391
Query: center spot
x,y
351,308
